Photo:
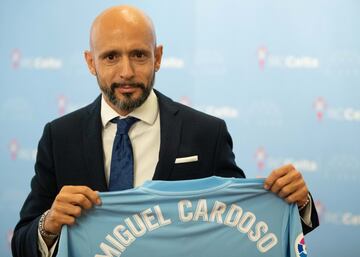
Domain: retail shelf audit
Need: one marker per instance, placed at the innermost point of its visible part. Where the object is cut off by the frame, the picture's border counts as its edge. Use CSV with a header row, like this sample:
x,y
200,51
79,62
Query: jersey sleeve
x,y
74,241
63,243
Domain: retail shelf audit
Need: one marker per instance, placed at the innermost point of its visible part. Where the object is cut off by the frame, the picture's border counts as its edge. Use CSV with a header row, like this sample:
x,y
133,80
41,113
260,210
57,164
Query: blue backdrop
x,y
285,76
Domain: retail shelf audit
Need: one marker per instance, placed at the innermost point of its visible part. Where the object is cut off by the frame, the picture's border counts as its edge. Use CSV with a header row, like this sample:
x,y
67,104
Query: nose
x,y
126,69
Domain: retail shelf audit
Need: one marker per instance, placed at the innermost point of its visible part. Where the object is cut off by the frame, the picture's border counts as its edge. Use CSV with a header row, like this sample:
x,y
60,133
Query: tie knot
x,y
123,125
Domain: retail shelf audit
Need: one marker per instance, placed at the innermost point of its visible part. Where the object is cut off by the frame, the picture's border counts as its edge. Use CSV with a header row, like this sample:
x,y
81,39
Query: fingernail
x,y
98,202
266,187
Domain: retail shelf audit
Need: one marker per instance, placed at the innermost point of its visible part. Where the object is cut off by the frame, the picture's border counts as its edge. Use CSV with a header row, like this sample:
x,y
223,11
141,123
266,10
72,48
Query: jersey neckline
x,y
208,184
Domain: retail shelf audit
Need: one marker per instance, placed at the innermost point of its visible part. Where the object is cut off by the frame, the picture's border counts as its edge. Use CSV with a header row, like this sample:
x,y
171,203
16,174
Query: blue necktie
x,y
122,163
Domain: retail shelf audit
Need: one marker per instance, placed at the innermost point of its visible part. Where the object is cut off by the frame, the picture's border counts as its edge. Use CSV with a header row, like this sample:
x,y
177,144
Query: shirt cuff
x,y
305,214
44,250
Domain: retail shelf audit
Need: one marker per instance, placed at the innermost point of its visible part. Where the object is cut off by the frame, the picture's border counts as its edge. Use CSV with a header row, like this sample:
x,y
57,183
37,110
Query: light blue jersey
x,y
208,217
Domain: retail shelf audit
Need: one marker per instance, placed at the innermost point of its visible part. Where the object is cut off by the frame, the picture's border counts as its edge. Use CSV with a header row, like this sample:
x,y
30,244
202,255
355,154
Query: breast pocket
x,y
186,170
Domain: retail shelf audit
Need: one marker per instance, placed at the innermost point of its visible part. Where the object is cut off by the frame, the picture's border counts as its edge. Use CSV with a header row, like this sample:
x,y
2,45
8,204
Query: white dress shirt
x,y
144,136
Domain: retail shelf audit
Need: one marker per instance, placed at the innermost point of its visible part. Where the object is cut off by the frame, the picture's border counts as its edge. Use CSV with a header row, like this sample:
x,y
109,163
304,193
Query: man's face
x,y
124,60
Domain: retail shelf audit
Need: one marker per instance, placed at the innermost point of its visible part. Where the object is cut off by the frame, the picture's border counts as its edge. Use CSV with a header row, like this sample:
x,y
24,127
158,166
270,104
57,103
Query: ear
x,y
90,62
158,56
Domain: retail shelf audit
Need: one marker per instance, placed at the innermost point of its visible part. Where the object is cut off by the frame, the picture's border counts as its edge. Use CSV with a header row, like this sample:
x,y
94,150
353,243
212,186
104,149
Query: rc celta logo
x,y
14,148
185,100
38,63
20,153
285,61
320,107
62,103
217,111
262,53
172,63
10,234
15,58
260,157
264,160
320,208
300,247
348,114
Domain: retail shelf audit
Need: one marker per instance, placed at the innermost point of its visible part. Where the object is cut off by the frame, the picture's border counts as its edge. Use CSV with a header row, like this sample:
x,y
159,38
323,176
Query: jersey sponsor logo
x,y
300,247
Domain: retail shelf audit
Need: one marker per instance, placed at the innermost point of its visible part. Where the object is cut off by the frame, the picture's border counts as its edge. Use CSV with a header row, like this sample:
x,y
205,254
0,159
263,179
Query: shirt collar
x,y
147,112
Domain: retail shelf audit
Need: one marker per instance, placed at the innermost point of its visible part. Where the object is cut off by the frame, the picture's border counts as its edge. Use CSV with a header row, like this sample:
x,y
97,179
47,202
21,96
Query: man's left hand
x,y
288,183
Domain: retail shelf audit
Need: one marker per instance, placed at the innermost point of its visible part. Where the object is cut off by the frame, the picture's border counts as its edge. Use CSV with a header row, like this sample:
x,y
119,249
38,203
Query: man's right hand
x,y
68,205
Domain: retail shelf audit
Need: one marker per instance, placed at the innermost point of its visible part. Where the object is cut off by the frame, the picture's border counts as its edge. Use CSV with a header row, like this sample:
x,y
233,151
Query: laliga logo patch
x,y
300,247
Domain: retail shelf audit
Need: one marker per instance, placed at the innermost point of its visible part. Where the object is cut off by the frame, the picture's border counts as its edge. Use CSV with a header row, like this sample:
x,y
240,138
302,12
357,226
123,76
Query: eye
x,y
110,57
138,54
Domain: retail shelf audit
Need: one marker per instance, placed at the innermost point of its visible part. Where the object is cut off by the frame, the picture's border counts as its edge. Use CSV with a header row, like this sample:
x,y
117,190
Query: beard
x,y
129,103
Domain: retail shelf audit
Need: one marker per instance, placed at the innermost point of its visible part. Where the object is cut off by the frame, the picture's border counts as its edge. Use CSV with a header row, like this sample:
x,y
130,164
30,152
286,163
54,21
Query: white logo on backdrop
x,y
303,165
260,157
346,114
17,152
320,106
38,63
217,111
285,61
172,63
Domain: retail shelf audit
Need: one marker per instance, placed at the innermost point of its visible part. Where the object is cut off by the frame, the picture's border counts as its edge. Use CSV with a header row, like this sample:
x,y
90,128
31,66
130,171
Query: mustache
x,y
132,84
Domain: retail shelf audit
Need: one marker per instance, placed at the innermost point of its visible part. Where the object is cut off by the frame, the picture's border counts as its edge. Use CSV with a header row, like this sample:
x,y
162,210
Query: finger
x,y
291,188
74,199
297,196
55,220
289,179
59,216
63,208
276,174
92,195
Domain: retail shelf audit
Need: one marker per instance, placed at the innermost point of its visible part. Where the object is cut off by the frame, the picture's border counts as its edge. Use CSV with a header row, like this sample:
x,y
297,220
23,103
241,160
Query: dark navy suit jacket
x,y
70,152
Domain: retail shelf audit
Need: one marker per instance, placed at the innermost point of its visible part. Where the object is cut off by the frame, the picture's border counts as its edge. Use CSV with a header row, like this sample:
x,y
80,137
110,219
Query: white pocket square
x,y
193,158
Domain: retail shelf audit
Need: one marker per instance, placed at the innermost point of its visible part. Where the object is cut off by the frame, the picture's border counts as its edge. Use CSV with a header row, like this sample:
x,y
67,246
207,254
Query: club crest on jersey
x,y
300,247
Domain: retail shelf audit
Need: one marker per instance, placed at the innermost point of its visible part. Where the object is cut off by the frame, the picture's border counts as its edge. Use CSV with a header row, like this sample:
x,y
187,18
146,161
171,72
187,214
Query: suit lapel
x,y
93,149
170,128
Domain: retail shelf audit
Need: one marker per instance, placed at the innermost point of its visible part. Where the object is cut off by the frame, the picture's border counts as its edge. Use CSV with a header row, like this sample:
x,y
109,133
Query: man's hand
x,y
68,205
288,183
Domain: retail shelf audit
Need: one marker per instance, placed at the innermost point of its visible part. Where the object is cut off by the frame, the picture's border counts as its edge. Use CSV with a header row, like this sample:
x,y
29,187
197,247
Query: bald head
x,y
122,19
124,56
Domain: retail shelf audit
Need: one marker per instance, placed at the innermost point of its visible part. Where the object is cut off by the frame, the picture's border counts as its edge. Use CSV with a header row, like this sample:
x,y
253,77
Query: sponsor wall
x,y
284,75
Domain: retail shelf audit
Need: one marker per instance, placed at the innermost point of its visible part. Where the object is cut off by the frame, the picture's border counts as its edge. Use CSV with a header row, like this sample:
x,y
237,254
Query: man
x,y
169,141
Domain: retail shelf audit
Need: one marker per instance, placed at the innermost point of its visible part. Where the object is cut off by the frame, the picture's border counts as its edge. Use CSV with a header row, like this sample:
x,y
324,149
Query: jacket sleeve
x,y
314,219
224,164
43,191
